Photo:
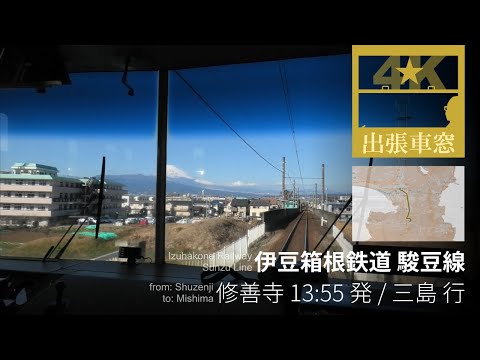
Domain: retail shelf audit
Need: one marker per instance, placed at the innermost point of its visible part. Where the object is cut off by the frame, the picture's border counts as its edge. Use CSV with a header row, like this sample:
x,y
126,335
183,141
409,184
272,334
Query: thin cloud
x,y
204,182
175,172
240,183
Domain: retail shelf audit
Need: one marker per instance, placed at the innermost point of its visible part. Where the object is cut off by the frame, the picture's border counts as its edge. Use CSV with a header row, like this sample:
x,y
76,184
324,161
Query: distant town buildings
x,y
134,204
336,206
242,208
33,194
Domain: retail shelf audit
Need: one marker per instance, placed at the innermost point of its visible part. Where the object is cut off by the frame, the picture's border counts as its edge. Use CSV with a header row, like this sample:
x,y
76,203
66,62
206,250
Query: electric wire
x,y
286,93
210,107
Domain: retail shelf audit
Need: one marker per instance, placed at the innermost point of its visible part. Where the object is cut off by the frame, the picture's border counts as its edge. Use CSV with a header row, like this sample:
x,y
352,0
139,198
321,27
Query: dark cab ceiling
x,y
43,66
112,57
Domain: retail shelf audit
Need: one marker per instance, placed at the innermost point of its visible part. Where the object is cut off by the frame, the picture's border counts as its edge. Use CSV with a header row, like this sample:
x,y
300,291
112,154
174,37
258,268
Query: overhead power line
x,y
306,178
202,99
283,76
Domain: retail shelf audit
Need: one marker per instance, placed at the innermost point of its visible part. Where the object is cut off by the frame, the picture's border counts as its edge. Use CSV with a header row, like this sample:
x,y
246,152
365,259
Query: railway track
x,y
297,238
306,233
302,234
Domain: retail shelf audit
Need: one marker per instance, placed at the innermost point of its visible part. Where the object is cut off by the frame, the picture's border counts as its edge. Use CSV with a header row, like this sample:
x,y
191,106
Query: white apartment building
x,y
33,194
113,193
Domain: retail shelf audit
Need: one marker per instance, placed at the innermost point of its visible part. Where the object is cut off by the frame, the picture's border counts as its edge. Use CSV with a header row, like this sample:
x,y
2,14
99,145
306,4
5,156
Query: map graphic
x,y
408,203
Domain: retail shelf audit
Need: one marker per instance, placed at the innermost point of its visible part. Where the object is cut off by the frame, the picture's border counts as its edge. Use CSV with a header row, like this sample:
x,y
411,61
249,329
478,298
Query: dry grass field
x,y
205,236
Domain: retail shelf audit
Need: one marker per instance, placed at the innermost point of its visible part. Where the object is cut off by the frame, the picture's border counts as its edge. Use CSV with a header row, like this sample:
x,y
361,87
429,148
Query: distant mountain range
x,y
146,184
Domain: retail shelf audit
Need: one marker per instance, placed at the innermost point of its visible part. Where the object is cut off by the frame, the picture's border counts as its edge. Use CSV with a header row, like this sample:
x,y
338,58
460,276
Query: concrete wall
x,y
275,219
328,216
342,241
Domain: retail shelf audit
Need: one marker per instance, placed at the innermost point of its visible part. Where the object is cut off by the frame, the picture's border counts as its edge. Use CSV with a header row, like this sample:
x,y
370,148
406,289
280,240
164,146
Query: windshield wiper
x,y
62,250
100,197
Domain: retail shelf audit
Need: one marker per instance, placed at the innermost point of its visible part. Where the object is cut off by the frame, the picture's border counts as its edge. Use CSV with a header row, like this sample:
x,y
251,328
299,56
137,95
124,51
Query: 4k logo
x,y
414,72
408,101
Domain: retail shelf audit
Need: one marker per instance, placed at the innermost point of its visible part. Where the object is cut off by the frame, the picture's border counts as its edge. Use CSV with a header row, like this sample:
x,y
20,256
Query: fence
x,y
230,254
342,241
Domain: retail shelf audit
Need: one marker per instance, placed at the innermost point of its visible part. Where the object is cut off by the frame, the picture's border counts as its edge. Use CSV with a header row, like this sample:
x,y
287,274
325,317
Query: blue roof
x,y
34,166
25,177
38,177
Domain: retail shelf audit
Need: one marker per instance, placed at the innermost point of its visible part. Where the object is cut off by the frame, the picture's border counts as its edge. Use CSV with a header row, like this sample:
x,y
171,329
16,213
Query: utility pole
x,y
283,181
206,207
294,192
315,195
204,198
323,184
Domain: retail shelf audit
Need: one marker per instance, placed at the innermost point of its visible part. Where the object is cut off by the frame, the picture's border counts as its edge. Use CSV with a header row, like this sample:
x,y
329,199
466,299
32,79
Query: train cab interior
x,y
55,286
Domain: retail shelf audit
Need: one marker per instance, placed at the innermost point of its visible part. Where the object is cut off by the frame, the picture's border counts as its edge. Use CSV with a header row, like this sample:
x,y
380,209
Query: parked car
x,y
151,220
90,221
184,221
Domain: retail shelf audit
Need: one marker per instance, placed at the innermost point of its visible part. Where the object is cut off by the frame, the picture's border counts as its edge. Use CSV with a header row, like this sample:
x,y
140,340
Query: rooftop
x,y
260,202
25,177
239,202
38,177
33,166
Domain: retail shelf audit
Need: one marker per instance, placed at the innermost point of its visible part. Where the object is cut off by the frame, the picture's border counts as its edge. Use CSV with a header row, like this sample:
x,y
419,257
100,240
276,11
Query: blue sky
x,y
71,127
251,99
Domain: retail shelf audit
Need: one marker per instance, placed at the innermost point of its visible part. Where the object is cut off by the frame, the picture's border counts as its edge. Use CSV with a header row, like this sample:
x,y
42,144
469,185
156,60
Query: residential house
x,y
240,207
179,206
230,210
259,206
135,204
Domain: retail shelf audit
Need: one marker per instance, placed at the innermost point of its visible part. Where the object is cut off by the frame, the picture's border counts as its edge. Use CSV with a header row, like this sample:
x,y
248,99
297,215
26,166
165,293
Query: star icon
x,y
409,72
